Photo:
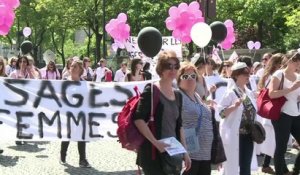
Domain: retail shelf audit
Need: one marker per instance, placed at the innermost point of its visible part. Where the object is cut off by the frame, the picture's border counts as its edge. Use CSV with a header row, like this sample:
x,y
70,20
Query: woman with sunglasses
x,y
197,118
22,69
136,73
289,121
168,121
237,110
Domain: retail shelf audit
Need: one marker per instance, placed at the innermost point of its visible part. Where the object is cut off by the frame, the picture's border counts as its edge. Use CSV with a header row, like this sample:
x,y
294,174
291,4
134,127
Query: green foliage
x,y
53,22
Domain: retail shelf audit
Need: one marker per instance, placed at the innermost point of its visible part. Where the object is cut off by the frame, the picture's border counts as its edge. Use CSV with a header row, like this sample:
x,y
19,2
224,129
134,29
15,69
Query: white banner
x,y
61,110
168,43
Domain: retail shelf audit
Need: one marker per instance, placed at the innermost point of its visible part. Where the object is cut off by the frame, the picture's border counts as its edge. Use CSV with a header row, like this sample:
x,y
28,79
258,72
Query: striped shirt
x,y
191,113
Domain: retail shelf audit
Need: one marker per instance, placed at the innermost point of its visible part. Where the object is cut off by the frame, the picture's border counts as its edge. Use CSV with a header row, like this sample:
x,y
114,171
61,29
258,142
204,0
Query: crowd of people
x,y
205,97
193,94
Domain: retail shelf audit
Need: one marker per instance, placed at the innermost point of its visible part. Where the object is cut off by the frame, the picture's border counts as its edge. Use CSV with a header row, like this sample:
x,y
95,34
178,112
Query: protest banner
x,y
168,43
42,110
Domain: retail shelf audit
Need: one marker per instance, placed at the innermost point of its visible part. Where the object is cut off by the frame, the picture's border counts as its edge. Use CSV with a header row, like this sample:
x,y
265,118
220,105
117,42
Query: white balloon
x,y
201,34
27,31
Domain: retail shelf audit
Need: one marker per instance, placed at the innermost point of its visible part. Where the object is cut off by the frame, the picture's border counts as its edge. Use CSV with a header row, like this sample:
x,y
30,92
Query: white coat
x,y
229,131
268,146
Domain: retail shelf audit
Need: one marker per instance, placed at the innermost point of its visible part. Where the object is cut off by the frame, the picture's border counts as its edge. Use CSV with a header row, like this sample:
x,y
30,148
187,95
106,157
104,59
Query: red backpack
x,y
128,133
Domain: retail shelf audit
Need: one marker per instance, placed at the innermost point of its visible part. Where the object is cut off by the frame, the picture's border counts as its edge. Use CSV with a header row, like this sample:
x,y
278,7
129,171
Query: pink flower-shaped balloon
x,y
7,17
13,4
118,30
230,38
182,18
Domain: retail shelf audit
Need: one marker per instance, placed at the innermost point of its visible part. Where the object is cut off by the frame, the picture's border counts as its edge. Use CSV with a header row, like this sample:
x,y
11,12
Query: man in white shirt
x,y
120,74
101,72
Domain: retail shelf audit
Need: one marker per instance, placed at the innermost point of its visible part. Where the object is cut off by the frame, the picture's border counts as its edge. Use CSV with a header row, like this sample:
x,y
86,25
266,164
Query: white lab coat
x,y
229,131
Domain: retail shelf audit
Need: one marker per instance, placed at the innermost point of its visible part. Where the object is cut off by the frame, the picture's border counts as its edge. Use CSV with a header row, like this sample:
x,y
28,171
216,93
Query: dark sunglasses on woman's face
x,y
171,66
226,65
188,76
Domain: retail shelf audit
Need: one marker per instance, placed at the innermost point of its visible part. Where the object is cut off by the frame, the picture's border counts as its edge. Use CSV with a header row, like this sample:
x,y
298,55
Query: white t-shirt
x,y
260,73
120,76
85,72
290,107
100,73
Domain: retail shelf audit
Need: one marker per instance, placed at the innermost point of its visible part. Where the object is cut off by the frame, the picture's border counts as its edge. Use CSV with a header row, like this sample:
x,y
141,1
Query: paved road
x,y
106,158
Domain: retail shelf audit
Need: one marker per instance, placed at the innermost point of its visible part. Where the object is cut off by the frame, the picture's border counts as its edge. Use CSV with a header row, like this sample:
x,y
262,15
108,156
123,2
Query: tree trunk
x,y
260,30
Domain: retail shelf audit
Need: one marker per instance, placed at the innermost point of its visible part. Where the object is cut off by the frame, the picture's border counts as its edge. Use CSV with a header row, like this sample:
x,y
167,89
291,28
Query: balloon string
x,y
222,52
254,54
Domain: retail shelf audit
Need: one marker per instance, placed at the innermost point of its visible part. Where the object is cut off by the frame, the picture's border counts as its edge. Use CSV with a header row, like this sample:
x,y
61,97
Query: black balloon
x,y
150,41
219,31
26,47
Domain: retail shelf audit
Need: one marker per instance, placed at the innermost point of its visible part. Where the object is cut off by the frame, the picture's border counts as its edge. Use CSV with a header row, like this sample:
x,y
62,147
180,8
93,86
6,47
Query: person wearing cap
x,y
237,110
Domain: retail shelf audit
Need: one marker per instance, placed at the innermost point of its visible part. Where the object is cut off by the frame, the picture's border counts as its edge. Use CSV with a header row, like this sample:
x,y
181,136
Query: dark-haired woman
x,y
136,73
23,71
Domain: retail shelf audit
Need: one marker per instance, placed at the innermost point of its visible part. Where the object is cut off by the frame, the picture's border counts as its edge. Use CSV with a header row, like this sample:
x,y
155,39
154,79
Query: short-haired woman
x,y
168,121
196,117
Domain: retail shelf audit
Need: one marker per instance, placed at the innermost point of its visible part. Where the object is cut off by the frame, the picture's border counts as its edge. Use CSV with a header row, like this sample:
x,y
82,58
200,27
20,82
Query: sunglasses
x,y
265,59
172,66
140,63
226,65
188,77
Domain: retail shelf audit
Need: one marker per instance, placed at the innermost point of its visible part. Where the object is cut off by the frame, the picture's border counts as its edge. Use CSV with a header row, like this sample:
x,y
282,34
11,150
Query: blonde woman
x,y
196,117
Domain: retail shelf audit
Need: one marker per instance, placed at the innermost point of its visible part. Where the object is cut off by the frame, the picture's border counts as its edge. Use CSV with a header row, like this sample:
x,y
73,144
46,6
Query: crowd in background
x,y
197,83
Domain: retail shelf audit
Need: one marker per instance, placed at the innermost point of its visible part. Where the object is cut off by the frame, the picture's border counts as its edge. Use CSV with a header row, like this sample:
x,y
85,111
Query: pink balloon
x,y
194,6
231,39
182,18
228,23
4,29
250,45
13,4
173,11
257,45
176,33
183,7
170,24
227,46
122,17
